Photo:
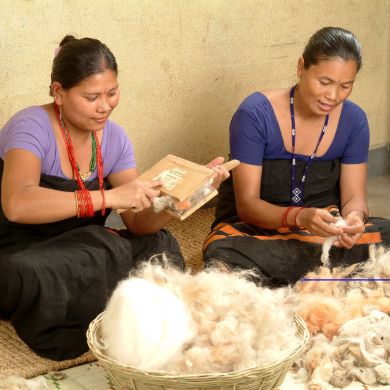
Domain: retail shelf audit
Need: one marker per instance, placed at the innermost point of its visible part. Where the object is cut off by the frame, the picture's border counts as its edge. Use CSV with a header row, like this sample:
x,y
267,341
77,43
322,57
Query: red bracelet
x,y
103,202
77,205
80,207
296,215
290,208
89,205
283,222
84,203
81,204
284,216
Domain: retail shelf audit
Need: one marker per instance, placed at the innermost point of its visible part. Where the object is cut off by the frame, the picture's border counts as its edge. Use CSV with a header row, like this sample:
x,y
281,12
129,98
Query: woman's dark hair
x,y
78,59
332,42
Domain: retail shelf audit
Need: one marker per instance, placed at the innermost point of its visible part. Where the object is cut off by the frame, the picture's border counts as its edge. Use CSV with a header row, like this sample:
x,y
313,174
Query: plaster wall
x,y
185,65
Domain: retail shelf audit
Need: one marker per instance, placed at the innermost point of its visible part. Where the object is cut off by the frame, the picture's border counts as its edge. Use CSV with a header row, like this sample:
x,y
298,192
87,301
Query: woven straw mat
x,y
16,358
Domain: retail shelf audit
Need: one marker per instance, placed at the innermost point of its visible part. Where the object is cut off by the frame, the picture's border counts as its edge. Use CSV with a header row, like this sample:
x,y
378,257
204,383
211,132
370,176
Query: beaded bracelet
x,y
84,204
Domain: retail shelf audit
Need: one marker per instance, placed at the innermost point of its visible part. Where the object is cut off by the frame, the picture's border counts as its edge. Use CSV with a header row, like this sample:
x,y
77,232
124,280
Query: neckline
x,y
94,175
285,151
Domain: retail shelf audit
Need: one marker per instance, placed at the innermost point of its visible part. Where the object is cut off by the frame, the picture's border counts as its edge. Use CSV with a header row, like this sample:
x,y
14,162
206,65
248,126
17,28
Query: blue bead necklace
x,y
298,188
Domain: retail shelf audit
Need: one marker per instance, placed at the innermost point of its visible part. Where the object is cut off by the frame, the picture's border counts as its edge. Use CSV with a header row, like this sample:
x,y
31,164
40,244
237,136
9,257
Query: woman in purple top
x,y
303,153
63,166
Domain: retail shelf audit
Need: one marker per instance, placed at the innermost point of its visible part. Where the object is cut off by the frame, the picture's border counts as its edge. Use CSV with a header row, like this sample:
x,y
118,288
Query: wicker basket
x,y
264,377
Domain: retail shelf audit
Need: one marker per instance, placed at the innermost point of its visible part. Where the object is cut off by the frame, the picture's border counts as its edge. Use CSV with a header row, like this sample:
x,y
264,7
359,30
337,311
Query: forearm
x,y
358,205
353,184
268,216
264,214
37,205
146,221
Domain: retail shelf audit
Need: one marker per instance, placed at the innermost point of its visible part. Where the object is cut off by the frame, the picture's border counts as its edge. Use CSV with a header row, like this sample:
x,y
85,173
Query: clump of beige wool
x,y
235,324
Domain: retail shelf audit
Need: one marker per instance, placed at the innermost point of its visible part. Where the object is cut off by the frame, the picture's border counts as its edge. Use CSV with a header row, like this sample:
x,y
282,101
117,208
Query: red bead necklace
x,y
83,197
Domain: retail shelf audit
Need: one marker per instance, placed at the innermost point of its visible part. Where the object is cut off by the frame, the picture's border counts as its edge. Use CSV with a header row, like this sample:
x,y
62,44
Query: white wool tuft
x,y
18,383
145,325
161,202
329,242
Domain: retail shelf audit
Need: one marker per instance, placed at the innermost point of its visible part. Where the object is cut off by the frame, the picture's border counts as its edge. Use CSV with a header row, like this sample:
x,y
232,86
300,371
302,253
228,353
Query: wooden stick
x,y
230,165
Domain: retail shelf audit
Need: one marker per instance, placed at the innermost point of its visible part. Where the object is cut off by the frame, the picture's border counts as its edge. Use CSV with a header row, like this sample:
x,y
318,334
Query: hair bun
x,y
67,39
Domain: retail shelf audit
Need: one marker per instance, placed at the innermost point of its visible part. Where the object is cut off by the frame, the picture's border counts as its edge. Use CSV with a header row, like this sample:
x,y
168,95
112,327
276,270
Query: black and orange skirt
x,y
283,256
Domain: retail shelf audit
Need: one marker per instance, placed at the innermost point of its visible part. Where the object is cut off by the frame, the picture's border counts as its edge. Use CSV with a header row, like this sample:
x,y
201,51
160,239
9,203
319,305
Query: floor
x,y
378,192
91,376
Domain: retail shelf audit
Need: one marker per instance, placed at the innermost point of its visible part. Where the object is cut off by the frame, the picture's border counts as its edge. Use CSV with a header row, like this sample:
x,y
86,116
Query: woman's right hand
x,y
135,195
318,222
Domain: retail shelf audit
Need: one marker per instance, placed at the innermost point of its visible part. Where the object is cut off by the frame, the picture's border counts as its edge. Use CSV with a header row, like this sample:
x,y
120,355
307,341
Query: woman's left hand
x,y
352,232
220,173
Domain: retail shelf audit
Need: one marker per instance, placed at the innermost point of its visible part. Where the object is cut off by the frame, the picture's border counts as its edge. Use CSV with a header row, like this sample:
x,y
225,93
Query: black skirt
x,y
282,256
55,278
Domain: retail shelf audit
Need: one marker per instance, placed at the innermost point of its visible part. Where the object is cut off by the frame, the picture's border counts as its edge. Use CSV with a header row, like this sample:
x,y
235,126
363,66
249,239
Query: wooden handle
x,y
120,211
231,164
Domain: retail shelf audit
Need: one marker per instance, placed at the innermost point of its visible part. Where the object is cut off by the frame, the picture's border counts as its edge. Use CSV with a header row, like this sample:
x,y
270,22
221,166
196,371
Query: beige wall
x,y
185,65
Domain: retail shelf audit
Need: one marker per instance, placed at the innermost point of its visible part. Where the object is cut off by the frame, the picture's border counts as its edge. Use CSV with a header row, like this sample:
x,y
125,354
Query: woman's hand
x,y
353,183
135,195
318,222
220,173
352,232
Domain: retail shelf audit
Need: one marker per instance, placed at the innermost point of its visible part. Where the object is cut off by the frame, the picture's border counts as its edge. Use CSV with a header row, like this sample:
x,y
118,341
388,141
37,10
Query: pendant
x,y
296,198
84,176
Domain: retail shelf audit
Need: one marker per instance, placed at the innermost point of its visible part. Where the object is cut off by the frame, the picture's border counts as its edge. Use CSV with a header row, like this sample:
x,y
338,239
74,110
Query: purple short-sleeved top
x,y
30,129
255,134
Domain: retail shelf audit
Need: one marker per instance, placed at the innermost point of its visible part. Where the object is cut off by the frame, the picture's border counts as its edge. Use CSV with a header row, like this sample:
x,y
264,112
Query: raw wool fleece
x,y
18,383
359,352
353,340
235,324
326,306
145,325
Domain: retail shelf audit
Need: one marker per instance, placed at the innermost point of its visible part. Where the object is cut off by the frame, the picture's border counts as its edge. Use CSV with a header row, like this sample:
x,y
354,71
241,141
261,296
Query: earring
x,y
58,100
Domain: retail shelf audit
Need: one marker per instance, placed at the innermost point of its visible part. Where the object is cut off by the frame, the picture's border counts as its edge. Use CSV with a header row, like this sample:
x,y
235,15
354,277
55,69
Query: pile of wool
x,y
359,352
350,323
327,305
226,322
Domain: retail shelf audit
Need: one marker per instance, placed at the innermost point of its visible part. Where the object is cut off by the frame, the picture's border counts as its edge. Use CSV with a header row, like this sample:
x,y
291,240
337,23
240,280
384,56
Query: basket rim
x,y
291,355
